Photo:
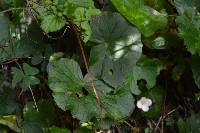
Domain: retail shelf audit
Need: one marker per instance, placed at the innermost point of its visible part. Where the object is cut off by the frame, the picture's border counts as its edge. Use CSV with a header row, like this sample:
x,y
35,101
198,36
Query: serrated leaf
x,y
67,84
52,23
86,109
119,105
147,20
65,74
195,65
189,29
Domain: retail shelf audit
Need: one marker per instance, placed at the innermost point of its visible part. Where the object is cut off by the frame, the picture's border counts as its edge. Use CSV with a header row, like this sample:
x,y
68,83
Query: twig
x,y
85,62
11,9
34,99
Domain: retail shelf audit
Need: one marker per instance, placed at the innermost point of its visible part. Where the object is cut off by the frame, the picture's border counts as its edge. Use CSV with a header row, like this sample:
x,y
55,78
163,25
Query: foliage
x,y
82,65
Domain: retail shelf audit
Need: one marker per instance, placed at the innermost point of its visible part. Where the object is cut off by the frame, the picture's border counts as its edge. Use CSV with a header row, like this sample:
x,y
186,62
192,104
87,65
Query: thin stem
x,y
34,99
11,9
85,62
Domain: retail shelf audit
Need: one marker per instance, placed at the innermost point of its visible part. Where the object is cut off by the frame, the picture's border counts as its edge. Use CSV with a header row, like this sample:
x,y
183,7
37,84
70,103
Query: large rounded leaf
x,y
145,18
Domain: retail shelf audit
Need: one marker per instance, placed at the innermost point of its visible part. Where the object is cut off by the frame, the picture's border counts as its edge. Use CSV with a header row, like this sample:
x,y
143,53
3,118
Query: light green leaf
x,y
10,121
52,23
82,3
147,20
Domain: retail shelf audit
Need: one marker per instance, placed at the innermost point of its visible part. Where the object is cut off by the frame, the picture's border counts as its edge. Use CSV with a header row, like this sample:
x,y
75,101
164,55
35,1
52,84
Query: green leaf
x,y
38,122
59,130
119,105
147,20
66,82
189,29
195,65
147,69
65,74
18,75
52,23
10,121
84,129
82,3
37,59
156,95
182,5
8,104
5,27
29,71
119,48
190,124
28,81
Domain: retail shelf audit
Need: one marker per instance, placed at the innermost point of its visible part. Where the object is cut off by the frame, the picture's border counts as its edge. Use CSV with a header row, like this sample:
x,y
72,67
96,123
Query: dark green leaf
x,y
195,64
18,75
4,27
58,130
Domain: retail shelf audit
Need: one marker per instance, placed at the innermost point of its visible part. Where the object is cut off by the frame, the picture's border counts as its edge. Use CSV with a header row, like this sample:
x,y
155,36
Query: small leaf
x,y
29,71
52,23
18,75
28,81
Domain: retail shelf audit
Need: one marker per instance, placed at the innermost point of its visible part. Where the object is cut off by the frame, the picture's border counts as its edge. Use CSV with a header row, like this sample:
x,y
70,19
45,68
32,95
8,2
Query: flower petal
x,y
145,108
139,104
148,102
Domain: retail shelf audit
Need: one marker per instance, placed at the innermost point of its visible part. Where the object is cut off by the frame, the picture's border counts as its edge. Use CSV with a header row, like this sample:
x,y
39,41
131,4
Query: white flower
x,y
144,104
